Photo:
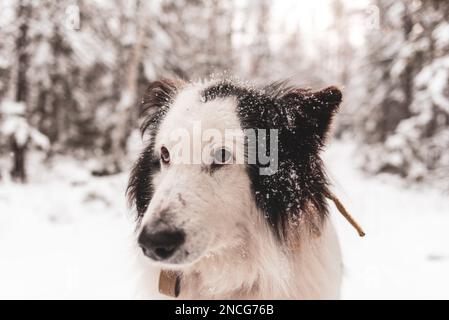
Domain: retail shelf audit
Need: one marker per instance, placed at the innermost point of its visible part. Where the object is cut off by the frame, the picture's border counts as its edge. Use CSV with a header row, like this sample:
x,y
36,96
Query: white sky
x,y
313,18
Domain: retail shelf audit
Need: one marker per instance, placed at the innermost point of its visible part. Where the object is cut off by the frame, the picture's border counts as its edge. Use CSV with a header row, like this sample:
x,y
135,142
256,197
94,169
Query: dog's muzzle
x,y
160,245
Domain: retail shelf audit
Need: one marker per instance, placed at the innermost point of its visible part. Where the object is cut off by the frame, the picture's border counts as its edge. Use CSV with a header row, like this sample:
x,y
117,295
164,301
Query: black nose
x,y
161,244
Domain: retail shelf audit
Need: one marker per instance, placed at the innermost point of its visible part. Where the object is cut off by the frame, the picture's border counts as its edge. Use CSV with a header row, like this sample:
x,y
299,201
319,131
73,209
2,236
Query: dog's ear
x,y
322,105
156,101
315,108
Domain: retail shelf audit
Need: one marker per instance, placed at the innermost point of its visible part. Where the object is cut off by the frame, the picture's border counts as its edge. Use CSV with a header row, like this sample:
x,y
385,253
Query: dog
x,y
225,226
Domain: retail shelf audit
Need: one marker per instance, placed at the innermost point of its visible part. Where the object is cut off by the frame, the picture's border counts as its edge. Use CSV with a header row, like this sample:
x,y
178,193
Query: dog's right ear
x,y
156,101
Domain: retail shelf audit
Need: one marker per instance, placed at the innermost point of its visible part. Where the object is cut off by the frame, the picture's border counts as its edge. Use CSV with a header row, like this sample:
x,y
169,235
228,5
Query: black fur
x,y
302,118
155,104
140,189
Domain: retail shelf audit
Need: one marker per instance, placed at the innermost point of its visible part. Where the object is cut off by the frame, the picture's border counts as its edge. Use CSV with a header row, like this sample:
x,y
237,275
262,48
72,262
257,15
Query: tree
x,y
406,120
21,135
260,49
196,36
19,146
128,91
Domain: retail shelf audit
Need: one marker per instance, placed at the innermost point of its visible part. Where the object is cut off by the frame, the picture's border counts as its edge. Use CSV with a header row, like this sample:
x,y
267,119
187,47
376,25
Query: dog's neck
x,y
242,272
308,268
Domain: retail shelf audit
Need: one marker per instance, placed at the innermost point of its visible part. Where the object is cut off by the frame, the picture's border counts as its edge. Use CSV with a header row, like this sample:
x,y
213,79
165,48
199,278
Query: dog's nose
x,y
161,244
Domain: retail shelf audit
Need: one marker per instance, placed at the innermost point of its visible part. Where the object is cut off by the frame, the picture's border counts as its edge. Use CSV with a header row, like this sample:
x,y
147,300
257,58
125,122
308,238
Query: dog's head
x,y
205,177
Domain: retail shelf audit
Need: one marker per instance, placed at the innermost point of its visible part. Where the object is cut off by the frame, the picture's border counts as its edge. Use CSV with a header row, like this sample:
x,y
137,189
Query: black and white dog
x,y
230,191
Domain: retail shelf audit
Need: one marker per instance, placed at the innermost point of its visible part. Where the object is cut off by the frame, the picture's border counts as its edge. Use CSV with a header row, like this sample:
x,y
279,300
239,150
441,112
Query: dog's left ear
x,y
316,108
322,105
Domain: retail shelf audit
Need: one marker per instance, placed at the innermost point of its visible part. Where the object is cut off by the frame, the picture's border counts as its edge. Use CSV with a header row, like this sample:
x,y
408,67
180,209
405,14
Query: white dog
x,y
218,213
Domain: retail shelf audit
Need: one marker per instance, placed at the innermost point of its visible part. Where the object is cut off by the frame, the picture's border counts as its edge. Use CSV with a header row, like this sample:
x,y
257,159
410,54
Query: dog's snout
x,y
160,244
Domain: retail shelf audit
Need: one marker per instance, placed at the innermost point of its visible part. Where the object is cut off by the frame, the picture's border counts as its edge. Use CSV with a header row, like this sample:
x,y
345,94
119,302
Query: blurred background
x,y
71,77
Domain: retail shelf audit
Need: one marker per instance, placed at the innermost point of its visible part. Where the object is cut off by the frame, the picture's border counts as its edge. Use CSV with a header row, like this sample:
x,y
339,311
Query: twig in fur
x,y
345,213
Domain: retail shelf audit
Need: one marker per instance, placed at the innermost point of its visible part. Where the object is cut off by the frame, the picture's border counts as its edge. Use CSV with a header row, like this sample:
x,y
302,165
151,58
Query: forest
x,y
72,74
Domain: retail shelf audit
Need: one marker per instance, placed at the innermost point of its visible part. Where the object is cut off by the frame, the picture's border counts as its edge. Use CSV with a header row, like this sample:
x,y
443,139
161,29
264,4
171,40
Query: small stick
x,y
345,213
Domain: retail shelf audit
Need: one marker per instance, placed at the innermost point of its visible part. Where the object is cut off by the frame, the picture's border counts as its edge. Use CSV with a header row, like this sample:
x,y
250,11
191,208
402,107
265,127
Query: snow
x,y
9,107
127,98
14,124
69,235
405,254
437,89
65,238
440,33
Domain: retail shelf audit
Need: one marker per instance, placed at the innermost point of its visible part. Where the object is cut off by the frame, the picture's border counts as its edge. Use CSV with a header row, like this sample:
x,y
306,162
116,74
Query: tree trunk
x,y
261,47
120,131
23,15
18,172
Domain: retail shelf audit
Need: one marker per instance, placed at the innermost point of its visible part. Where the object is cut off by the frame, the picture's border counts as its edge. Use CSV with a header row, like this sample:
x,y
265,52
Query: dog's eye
x,y
221,157
165,155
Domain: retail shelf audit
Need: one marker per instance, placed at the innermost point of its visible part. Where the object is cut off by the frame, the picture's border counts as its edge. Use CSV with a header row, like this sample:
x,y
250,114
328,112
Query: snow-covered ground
x,y
68,235
405,254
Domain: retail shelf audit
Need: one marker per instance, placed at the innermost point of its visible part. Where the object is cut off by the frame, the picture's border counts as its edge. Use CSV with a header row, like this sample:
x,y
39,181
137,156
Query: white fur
x,y
230,252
